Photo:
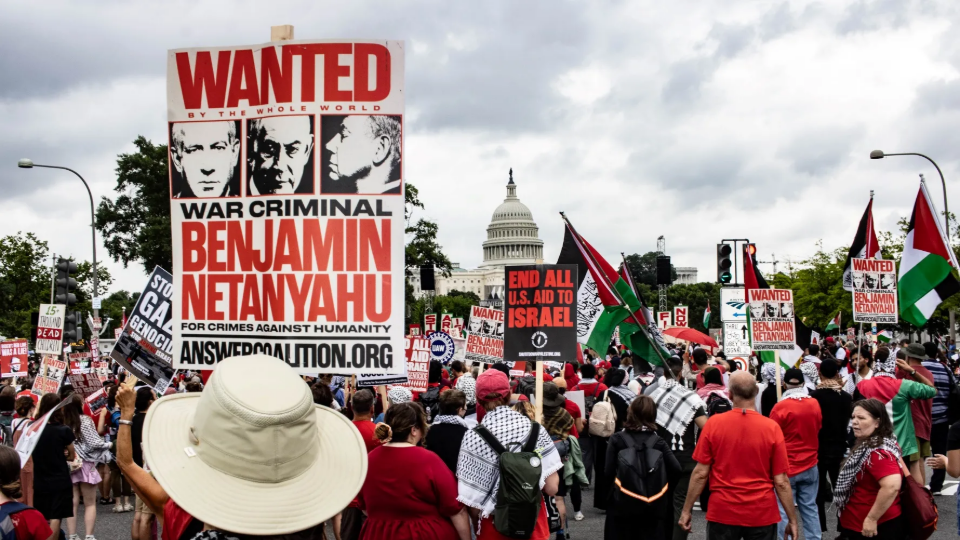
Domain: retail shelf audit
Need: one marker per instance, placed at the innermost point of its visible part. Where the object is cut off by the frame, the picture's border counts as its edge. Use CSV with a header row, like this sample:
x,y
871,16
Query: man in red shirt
x,y
800,420
745,457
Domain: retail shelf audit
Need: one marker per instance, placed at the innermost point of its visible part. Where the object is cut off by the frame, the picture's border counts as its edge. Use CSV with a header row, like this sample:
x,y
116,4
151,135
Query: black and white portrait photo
x,y
888,281
280,155
205,159
361,154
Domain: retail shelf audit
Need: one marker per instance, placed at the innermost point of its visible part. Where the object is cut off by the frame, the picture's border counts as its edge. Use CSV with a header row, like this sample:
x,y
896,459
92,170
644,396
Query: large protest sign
x,y
430,323
13,358
145,348
771,319
874,290
287,206
485,335
90,387
540,310
50,329
680,316
31,434
49,376
415,371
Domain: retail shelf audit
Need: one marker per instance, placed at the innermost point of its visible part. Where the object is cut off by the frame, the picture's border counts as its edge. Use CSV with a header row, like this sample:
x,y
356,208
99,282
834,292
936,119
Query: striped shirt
x,y
941,380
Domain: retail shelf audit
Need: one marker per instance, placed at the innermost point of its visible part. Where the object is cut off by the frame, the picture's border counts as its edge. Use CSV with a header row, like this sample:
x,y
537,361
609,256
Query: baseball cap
x,y
793,376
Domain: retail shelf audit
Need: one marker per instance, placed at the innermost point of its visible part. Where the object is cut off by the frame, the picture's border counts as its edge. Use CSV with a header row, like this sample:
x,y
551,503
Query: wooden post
x,y
281,33
776,359
539,391
383,394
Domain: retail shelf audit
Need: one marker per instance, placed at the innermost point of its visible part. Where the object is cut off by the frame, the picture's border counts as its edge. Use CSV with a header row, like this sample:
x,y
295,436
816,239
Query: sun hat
x,y
551,395
252,454
492,381
915,350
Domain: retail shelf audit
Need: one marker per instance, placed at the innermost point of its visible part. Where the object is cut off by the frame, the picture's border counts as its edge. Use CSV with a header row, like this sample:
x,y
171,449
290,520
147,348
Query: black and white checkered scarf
x,y
855,462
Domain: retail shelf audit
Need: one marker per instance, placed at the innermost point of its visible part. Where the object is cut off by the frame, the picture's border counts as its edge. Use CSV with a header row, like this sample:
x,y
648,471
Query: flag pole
x,y
617,294
643,328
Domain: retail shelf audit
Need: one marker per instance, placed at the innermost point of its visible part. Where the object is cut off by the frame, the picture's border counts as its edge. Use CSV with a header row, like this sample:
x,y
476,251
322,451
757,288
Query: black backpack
x,y
527,385
518,497
717,404
641,481
431,402
590,401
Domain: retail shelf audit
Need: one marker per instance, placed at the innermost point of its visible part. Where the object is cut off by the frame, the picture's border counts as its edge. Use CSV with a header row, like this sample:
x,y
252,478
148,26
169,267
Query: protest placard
x,y
50,329
145,347
446,322
457,329
418,363
97,401
442,347
771,319
415,330
292,244
485,335
31,434
680,316
429,323
85,384
541,311
663,319
13,358
874,291
49,376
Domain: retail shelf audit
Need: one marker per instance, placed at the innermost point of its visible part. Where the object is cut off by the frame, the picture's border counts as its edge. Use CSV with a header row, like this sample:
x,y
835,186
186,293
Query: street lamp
x,y
879,154
29,164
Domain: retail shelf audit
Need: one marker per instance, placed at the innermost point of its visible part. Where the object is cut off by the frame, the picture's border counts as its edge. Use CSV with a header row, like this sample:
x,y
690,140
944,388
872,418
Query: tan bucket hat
x,y
252,454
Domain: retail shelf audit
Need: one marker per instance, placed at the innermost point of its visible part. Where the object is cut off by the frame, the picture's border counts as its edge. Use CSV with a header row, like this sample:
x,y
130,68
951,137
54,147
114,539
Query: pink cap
x,y
492,381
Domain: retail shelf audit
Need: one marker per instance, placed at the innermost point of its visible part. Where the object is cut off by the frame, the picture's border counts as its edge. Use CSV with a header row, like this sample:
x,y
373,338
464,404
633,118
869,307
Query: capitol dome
x,y
513,235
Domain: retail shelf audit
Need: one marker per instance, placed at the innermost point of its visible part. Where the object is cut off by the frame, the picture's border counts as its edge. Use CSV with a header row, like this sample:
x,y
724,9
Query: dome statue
x,y
512,236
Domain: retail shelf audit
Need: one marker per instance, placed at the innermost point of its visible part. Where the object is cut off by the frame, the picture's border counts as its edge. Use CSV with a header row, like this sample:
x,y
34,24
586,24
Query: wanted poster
x,y
771,319
485,335
874,290
145,347
50,329
287,207
49,376
540,310
13,358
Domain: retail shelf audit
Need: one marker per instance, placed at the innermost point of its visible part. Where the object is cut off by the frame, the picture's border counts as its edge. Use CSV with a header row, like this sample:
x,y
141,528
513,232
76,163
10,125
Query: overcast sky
x,y
693,120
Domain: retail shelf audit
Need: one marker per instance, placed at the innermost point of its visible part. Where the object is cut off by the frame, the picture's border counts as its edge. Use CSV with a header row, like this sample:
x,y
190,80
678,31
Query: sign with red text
x,y
541,312
771,319
49,377
414,329
874,290
417,351
13,358
287,206
485,335
446,322
663,319
456,330
430,322
680,316
50,329
86,384
145,347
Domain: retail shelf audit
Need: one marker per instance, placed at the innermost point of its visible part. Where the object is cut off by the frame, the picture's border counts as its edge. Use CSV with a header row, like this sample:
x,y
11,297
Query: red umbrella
x,y
689,334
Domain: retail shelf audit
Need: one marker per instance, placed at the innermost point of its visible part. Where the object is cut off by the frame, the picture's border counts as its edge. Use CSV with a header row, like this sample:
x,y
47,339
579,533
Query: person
x,y
352,518
409,493
28,523
800,419
898,393
712,385
744,455
436,384
205,158
868,489
836,405
620,396
466,383
92,450
699,365
678,411
812,354
943,381
861,367
363,156
921,410
477,467
570,374
768,397
143,515
811,375
592,390
52,487
448,428
395,396
25,407
122,491
573,468
279,155
8,403
559,423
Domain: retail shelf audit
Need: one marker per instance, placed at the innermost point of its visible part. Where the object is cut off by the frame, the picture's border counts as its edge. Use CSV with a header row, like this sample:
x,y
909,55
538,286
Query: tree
x,y
112,308
136,227
422,248
24,282
695,297
644,268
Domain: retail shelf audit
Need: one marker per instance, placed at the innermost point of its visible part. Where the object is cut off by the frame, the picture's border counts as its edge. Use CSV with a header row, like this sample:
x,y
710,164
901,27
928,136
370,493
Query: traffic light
x,y
72,327
724,264
751,249
66,285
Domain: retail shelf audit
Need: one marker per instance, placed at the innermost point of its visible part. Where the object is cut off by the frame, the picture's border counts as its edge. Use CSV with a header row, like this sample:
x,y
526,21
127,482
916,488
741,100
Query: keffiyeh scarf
x,y
468,385
769,373
855,462
887,368
214,535
810,373
450,419
399,394
478,473
830,384
796,393
624,392
675,409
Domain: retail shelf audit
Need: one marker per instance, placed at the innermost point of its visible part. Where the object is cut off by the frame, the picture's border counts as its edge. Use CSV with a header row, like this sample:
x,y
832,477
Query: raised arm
x,y
143,482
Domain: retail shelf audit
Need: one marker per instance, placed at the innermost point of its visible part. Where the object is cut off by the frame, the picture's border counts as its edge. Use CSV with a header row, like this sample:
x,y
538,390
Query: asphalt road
x,y
112,526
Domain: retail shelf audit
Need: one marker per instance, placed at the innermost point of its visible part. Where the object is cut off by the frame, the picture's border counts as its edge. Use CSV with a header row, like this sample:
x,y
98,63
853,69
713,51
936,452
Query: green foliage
x,y
456,303
136,226
695,297
112,308
24,282
644,268
422,248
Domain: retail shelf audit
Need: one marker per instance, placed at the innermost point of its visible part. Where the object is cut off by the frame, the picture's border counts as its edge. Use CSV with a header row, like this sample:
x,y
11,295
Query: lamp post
x,y
29,164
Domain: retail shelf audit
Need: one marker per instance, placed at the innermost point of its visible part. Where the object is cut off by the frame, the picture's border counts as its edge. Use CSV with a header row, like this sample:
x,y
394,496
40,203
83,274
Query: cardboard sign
x,y
430,322
736,339
663,319
418,363
288,229
49,377
577,397
772,319
414,329
31,434
540,310
50,329
456,330
680,316
874,291
485,335
145,347
446,322
13,358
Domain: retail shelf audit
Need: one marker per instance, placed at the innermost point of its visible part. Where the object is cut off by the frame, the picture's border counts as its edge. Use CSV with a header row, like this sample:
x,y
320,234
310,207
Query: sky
x,y
697,121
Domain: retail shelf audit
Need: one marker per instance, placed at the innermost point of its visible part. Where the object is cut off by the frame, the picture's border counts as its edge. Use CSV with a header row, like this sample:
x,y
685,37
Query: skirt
x,y
87,474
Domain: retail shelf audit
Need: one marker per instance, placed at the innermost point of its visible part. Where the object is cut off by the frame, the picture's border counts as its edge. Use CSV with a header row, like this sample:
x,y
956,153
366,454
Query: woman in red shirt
x,y
28,523
409,493
868,489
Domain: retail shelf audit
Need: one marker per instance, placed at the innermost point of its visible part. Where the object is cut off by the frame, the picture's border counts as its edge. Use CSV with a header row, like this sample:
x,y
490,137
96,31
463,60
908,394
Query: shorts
x,y
924,452
57,504
142,507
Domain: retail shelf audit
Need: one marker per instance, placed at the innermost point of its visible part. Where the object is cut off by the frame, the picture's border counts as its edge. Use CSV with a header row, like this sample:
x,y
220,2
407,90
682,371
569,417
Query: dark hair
x,y
402,418
876,409
458,366
712,375
72,412
10,473
814,349
588,371
322,395
930,348
363,401
614,377
451,401
865,352
901,354
193,387
66,390
829,368
47,403
144,397
8,398
436,371
675,364
699,357
882,354
503,368
112,397
641,414
24,405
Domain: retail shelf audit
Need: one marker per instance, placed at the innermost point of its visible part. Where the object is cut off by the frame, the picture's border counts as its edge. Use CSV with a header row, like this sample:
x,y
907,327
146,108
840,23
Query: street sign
x,y
736,339
97,303
733,304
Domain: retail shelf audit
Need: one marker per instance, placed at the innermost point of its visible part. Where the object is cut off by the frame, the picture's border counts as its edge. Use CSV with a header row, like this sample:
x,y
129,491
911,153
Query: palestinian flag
x,y
706,316
884,336
648,342
926,266
834,324
753,279
864,245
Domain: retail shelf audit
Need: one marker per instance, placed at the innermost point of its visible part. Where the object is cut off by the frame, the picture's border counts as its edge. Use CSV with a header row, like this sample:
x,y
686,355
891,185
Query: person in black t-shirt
x,y
836,406
53,489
